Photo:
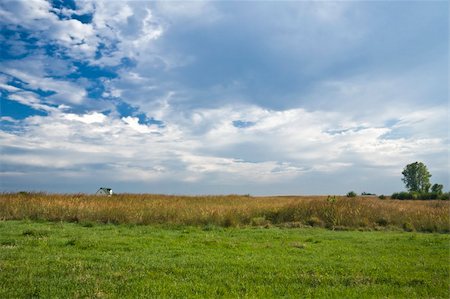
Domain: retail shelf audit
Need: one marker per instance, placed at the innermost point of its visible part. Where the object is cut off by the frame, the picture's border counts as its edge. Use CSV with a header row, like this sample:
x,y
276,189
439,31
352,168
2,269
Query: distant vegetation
x,y
333,212
420,195
351,194
417,180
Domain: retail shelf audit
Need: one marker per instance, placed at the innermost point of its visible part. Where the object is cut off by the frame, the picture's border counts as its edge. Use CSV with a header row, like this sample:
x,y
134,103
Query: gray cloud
x,y
327,113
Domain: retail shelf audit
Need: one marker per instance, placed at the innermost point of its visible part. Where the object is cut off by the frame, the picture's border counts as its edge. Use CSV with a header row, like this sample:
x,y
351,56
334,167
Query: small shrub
x,y
351,194
382,196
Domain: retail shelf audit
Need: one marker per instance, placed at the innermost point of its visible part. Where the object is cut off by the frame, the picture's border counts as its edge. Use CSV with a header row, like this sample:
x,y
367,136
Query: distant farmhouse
x,y
104,191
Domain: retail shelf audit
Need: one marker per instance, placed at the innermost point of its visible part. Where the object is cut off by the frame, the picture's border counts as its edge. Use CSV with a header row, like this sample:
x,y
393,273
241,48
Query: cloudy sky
x,y
222,97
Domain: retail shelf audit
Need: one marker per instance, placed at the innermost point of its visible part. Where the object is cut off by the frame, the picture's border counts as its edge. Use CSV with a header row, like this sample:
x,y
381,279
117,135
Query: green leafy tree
x,y
437,188
416,177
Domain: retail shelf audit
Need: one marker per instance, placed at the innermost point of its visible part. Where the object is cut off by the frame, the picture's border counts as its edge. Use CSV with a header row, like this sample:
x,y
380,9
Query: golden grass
x,y
232,210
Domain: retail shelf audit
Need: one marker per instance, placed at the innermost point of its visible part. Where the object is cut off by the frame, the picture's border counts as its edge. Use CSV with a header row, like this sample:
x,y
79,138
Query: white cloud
x,y
133,122
32,72
91,118
123,28
203,144
298,142
8,119
27,14
128,30
39,18
30,99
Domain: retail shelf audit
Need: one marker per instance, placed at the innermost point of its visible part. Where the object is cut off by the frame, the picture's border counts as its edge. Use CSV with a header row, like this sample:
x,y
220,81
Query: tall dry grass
x,y
232,210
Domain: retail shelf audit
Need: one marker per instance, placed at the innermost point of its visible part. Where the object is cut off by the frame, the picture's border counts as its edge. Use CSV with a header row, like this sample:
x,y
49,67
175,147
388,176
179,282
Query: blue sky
x,y
259,97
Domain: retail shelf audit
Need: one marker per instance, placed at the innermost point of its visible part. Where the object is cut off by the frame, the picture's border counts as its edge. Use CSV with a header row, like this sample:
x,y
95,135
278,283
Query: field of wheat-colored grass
x,y
231,210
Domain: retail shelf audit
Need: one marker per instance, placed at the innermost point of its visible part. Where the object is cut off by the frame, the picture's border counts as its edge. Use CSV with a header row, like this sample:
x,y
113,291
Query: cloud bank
x,y
212,97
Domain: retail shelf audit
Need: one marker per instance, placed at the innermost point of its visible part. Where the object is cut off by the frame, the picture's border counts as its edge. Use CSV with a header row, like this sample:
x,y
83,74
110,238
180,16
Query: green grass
x,y
61,260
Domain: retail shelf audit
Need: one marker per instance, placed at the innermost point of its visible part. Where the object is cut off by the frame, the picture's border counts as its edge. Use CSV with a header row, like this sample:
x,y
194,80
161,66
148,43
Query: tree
x,y
351,194
416,177
437,188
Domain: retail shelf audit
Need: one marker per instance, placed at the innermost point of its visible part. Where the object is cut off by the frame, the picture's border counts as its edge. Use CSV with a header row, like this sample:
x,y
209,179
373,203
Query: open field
x,y
62,260
366,213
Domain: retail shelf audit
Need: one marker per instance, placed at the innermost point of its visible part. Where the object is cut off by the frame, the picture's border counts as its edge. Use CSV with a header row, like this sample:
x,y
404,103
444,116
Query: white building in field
x,y
104,191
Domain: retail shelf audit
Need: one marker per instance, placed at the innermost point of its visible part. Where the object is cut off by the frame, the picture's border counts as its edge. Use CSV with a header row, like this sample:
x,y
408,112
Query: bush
x,y
432,195
420,195
382,196
351,194
445,196
402,195
416,195
368,194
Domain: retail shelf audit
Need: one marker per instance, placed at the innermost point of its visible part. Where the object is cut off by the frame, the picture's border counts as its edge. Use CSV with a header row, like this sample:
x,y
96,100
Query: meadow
x,y
75,260
162,246
332,212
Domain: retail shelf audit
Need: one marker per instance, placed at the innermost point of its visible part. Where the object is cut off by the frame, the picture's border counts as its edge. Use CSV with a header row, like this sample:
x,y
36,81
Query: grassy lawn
x,y
60,260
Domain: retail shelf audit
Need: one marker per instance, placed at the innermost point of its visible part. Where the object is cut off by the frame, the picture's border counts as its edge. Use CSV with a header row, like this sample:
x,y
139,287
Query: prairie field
x,y
161,246
332,212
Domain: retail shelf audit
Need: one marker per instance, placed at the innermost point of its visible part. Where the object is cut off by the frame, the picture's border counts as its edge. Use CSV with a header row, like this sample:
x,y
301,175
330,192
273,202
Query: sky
x,y
222,97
